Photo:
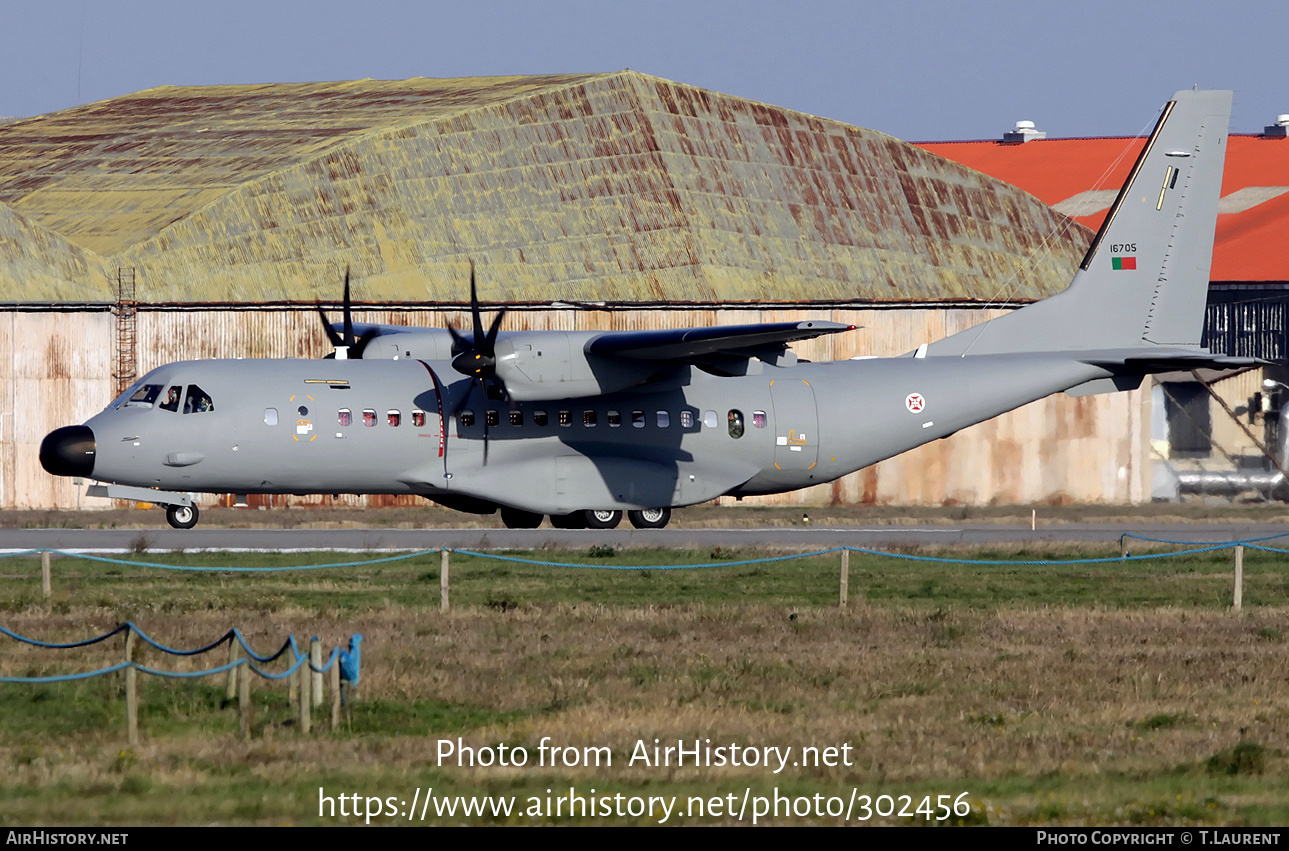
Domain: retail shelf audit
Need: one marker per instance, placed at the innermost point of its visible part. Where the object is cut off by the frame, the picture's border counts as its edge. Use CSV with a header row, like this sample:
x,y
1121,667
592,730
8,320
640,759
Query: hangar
x,y
198,222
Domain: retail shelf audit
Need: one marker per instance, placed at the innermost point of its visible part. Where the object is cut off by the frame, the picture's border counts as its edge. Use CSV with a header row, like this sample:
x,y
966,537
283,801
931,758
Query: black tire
x,y
182,516
576,520
514,518
602,519
650,518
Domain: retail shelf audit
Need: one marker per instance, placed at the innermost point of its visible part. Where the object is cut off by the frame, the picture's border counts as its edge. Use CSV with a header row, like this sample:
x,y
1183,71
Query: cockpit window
x,y
172,399
145,396
198,401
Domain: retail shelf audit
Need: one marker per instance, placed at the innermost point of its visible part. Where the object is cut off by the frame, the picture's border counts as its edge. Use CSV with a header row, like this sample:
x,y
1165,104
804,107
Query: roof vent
x,y
1024,132
1278,130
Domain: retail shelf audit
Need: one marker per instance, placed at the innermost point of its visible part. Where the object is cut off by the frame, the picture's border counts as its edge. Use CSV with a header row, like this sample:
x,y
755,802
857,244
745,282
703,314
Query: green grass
x,y
1117,693
1202,580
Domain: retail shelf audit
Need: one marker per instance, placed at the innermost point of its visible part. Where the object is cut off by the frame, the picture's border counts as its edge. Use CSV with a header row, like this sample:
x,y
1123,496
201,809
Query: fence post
x,y
233,649
444,563
1123,547
306,705
131,691
1237,600
244,699
845,575
315,660
335,695
46,576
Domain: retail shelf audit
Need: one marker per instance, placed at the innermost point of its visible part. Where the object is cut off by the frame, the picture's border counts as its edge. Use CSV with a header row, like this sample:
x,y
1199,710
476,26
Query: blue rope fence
x,y
344,664
1195,547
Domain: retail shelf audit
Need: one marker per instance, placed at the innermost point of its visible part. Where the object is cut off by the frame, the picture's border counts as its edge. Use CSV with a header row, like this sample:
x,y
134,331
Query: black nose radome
x,y
69,451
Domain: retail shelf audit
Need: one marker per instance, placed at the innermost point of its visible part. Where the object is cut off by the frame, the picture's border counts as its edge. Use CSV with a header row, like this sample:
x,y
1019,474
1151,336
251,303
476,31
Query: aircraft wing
x,y
682,344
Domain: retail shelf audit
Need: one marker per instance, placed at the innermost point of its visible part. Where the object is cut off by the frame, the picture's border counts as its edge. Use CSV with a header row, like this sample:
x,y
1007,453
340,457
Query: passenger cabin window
x,y
369,417
686,419
637,419
145,396
173,395
492,418
540,418
345,417
565,418
614,418
516,417
758,419
710,419
589,419
393,418
466,418
270,416
197,402
418,419
735,423
664,419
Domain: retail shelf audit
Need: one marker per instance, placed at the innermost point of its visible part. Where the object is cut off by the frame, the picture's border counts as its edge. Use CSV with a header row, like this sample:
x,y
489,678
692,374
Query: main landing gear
x,y
182,516
650,518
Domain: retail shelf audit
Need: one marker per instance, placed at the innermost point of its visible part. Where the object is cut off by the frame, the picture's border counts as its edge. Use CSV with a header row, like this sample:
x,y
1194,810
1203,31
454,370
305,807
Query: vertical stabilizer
x,y
1144,279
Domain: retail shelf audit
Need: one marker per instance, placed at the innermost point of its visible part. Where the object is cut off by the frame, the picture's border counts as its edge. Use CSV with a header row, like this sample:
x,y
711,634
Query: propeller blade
x,y
459,342
336,339
349,319
489,346
474,308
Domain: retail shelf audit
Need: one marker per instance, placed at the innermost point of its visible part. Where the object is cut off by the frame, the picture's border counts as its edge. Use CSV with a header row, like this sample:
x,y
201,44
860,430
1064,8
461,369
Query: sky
x,y
919,70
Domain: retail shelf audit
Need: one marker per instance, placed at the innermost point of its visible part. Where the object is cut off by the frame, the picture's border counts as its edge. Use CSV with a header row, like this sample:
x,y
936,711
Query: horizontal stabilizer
x,y
1164,359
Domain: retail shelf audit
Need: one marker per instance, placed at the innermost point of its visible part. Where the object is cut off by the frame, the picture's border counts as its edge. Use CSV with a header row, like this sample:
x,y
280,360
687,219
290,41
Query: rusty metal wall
x,y
55,370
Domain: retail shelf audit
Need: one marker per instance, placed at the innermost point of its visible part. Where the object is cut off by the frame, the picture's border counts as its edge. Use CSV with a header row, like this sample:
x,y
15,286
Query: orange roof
x,y
1080,177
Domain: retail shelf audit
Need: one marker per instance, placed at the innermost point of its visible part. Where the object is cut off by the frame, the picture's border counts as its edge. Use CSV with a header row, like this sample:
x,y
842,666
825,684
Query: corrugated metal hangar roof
x,y
616,187
1080,177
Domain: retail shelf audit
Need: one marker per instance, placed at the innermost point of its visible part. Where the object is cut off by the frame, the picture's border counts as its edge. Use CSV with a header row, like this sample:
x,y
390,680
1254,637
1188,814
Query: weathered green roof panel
x,y
612,187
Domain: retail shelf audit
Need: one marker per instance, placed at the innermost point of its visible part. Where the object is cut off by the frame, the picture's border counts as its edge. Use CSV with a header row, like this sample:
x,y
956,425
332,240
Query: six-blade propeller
x,y
346,345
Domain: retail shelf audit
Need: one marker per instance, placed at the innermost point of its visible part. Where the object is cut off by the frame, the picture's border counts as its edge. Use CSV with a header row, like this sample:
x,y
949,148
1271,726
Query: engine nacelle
x,y
555,365
534,365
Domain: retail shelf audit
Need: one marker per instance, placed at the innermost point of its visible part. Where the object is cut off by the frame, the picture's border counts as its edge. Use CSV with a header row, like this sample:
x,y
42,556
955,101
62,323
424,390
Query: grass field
x,y
1119,693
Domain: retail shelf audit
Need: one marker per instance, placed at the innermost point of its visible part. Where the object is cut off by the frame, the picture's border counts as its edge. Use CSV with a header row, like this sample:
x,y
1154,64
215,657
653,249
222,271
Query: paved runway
x,y
768,538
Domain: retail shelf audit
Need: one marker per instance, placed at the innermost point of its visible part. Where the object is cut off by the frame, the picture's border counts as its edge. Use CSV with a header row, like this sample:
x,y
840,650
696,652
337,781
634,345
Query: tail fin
x,y
1144,280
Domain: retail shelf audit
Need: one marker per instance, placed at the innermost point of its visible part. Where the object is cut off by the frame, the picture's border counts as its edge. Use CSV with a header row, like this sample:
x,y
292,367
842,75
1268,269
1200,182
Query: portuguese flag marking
x,y
1121,263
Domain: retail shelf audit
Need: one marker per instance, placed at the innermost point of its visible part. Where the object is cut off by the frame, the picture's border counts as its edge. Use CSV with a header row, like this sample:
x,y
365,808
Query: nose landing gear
x,y
182,516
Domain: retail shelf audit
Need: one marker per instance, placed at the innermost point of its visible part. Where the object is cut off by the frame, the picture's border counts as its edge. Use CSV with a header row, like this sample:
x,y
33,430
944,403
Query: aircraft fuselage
x,y
376,426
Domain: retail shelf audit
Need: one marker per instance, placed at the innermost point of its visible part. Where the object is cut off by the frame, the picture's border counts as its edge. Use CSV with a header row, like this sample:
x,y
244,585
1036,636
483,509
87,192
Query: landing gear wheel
x,y
650,518
576,520
514,518
182,516
603,519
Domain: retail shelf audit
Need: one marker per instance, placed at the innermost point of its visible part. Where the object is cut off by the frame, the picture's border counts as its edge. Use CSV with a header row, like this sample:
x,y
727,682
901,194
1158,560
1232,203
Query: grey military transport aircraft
x,y
582,426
